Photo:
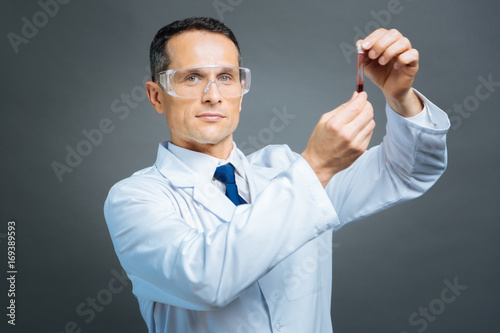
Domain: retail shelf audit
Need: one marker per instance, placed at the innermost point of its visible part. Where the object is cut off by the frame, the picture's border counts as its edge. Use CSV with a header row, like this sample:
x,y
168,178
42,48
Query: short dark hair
x,y
158,55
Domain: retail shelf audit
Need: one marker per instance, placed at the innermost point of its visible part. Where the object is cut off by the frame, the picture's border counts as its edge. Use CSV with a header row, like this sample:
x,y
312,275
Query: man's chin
x,y
212,138
213,141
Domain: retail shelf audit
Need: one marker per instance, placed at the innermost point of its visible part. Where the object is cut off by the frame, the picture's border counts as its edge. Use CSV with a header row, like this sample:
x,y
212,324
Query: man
x,y
208,253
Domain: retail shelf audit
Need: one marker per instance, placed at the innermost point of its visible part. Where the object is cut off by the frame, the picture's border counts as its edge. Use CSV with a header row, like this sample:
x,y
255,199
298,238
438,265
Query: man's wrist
x,y
406,105
324,174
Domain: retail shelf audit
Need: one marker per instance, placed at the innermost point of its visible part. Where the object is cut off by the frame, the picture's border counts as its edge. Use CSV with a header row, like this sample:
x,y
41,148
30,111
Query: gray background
x,y
90,53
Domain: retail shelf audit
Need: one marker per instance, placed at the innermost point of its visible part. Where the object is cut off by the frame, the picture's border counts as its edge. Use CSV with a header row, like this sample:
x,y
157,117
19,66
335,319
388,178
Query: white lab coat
x,y
199,264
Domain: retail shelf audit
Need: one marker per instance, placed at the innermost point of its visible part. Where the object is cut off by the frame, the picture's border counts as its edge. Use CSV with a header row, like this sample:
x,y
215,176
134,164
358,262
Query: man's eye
x,y
192,78
225,78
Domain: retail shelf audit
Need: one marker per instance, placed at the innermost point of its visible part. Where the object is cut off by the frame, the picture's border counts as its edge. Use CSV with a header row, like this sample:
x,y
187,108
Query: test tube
x,y
360,79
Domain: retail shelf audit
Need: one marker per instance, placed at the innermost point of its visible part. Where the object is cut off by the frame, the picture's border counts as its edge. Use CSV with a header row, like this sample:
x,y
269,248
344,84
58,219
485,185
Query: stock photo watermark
x,y
92,138
381,19
30,27
277,124
425,315
470,104
91,306
11,272
222,6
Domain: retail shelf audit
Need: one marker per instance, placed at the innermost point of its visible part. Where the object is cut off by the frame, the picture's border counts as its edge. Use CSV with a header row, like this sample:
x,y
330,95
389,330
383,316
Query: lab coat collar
x,y
179,174
173,169
204,164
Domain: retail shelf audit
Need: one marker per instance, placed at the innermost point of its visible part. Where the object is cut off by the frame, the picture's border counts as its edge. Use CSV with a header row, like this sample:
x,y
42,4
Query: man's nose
x,y
212,93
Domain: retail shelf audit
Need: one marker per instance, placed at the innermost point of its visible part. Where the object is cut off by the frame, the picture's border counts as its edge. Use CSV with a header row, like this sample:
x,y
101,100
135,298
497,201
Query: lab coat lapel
x,y
258,177
214,200
202,191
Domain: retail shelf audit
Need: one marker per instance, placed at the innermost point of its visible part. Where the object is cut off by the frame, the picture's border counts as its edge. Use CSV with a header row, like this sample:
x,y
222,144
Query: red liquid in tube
x,y
360,80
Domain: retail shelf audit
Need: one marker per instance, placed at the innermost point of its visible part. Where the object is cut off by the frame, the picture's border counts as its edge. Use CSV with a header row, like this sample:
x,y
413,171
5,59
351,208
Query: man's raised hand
x,y
340,137
392,64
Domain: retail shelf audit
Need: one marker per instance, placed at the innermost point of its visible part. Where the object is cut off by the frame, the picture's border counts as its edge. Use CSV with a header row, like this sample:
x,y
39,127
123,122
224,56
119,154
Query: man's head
x,y
159,58
205,123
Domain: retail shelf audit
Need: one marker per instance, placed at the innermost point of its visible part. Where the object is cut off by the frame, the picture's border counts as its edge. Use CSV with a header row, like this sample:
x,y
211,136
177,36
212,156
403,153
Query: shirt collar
x,y
204,164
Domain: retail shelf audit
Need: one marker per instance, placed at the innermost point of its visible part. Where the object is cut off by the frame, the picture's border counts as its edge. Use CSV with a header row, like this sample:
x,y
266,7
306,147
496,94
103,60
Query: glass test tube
x,y
360,80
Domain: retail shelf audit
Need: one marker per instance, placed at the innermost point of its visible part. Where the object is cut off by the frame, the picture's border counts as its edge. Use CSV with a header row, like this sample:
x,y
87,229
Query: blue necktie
x,y
225,174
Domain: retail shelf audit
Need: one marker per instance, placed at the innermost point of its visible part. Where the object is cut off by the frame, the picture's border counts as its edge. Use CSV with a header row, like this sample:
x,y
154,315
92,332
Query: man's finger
x,y
333,112
408,58
350,110
366,134
361,120
386,40
393,51
372,38
363,137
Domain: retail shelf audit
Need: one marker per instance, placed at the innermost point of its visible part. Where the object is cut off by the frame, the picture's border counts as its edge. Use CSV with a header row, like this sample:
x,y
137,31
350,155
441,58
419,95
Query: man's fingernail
x,y
366,44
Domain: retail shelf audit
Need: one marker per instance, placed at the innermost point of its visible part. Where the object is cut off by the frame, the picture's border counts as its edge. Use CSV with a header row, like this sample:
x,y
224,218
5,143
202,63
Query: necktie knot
x,y
225,174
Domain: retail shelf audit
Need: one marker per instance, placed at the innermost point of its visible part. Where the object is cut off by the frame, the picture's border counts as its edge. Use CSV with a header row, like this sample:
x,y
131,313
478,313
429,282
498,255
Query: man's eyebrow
x,y
229,69
192,70
204,70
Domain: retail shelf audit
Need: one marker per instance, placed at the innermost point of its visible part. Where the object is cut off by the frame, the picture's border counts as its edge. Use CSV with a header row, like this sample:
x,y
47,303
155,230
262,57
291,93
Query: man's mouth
x,y
211,116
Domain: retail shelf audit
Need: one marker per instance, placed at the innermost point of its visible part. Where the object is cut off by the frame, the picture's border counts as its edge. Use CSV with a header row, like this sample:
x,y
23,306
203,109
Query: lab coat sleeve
x,y
408,162
170,262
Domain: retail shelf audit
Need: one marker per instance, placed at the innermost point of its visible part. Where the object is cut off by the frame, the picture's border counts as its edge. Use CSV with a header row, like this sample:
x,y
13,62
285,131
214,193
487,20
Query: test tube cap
x,y
360,49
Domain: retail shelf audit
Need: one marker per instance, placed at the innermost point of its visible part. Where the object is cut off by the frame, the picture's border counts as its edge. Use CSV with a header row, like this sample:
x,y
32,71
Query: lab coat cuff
x,y
431,120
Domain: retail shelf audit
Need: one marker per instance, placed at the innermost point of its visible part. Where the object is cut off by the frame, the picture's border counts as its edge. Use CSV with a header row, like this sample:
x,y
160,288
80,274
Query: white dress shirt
x,y
200,264
205,165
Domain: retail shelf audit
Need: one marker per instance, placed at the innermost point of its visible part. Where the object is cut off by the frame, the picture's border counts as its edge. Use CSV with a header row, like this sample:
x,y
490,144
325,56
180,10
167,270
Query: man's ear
x,y
154,94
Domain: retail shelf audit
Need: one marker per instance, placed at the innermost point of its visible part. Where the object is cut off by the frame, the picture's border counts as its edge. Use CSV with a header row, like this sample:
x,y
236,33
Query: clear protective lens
x,y
196,81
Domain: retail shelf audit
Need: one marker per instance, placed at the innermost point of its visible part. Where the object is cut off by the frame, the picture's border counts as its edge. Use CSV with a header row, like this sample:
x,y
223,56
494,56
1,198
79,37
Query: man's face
x,y
203,123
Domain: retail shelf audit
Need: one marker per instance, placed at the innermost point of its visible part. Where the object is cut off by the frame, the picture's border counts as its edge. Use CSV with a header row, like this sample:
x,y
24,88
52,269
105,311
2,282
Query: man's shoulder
x,y
273,156
147,179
